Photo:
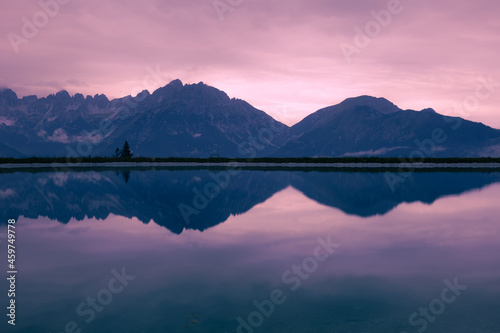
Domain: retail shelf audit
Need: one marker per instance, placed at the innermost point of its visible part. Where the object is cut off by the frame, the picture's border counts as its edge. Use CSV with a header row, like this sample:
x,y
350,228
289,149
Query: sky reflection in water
x,y
386,268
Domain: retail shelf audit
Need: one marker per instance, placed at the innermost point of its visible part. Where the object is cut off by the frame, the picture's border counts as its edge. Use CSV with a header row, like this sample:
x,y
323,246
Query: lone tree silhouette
x,y
117,152
126,152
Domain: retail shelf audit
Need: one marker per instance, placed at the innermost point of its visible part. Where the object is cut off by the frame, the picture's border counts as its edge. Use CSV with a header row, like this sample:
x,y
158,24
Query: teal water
x,y
265,251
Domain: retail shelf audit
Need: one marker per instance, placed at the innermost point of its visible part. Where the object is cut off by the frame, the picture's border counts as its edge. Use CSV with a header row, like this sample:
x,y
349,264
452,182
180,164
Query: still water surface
x,y
272,251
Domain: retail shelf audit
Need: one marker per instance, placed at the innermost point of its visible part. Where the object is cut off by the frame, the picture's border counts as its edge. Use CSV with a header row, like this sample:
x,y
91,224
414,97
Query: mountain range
x,y
197,120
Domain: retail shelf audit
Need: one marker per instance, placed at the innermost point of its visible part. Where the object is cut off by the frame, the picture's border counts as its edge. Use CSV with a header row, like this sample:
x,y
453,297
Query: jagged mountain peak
x,y
143,94
190,94
29,99
8,97
63,94
6,91
169,89
429,110
176,83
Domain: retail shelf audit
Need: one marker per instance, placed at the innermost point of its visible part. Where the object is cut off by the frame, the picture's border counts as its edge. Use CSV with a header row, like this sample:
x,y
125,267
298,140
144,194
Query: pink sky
x,y
283,57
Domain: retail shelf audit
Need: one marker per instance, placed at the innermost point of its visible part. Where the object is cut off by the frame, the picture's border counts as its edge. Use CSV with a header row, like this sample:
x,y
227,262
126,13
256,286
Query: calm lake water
x,y
264,251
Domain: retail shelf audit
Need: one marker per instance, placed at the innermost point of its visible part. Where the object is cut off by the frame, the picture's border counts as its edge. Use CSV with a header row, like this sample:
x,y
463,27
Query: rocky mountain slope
x,y
196,120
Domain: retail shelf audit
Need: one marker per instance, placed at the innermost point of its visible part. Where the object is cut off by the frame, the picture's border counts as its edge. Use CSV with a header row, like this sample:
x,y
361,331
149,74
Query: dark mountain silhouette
x,y
157,194
367,194
368,126
151,195
196,120
177,120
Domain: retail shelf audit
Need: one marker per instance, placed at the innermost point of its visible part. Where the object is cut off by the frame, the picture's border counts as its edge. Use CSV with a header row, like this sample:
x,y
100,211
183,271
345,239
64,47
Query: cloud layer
x,y
284,57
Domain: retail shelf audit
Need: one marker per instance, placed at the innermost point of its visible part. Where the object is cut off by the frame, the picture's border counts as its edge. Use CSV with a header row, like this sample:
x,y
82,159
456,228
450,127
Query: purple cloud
x,y
281,56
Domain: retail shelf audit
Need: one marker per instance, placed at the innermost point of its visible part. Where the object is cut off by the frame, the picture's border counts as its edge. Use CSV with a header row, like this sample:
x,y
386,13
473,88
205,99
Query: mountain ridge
x,y
197,120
